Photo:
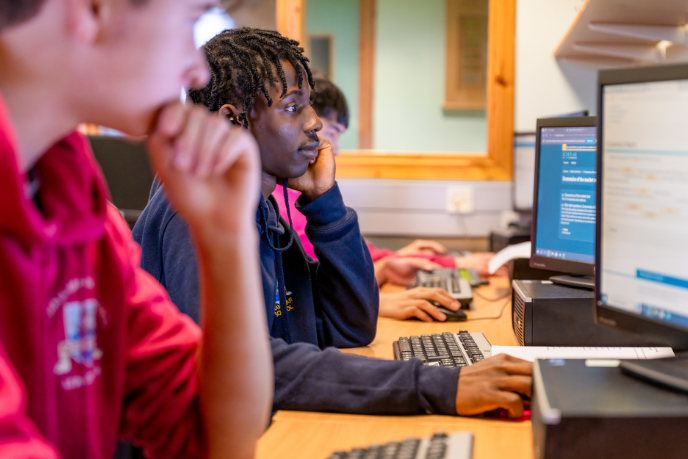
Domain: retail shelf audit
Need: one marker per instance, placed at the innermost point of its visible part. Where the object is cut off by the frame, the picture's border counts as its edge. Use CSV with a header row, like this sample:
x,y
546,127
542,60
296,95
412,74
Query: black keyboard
x,y
439,446
449,279
444,350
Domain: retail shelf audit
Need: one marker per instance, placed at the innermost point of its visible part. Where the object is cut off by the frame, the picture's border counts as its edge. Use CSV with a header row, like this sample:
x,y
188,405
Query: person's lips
x,y
310,150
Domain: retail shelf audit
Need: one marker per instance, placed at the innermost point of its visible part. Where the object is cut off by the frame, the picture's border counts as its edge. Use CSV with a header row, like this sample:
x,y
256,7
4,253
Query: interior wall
x,y
340,19
409,88
418,207
253,13
409,83
545,86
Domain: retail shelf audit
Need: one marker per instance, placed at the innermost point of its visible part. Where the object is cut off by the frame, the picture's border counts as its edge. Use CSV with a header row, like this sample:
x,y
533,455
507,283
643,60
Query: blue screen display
x,y
567,178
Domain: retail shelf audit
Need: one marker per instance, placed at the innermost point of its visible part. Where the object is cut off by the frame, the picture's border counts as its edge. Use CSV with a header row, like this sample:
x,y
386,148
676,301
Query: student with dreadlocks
x,y
398,267
261,81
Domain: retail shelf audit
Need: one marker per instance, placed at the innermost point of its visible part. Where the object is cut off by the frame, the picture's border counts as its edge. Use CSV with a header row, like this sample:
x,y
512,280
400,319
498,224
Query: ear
x,y
87,18
231,113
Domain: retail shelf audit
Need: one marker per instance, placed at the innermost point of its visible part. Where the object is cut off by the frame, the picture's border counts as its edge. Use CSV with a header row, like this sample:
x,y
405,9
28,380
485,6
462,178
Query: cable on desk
x,y
480,295
501,312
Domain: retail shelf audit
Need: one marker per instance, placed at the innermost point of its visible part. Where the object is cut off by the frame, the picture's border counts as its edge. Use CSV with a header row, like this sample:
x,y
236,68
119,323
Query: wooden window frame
x,y
290,16
464,95
495,164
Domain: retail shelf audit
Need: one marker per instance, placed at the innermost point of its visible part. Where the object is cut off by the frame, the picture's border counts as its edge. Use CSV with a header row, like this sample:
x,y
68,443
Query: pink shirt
x,y
297,218
299,226
91,348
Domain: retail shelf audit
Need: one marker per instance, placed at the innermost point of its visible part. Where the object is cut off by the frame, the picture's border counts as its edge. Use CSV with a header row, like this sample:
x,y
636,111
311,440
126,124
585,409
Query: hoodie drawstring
x,y
279,267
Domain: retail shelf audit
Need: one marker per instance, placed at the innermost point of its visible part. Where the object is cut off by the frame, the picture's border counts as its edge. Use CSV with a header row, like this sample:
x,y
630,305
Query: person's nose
x,y
313,123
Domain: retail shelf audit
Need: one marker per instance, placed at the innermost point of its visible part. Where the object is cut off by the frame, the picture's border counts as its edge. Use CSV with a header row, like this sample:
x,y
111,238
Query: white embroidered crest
x,y
79,345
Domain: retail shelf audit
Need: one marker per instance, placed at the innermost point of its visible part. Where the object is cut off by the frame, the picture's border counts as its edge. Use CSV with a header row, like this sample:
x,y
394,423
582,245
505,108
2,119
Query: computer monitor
x,y
524,171
563,232
524,166
642,236
127,171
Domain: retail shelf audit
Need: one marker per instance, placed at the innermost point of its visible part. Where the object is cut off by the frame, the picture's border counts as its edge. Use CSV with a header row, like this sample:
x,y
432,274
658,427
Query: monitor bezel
x,y
513,172
661,332
538,261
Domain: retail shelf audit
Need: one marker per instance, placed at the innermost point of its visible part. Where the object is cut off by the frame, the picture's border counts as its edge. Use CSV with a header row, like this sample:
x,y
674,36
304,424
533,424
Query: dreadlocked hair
x,y
242,66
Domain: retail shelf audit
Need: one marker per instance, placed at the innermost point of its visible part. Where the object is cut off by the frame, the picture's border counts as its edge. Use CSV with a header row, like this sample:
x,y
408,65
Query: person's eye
x,y
291,108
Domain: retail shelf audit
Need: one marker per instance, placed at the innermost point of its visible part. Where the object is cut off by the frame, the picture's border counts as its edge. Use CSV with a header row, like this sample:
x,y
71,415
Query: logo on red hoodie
x,y
80,330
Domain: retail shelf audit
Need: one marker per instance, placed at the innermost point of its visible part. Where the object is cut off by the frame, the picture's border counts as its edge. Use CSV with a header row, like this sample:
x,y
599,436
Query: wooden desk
x,y
304,435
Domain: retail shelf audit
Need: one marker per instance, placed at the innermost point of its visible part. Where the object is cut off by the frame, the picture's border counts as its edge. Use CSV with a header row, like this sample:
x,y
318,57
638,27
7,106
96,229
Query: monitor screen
x,y
567,177
643,266
524,171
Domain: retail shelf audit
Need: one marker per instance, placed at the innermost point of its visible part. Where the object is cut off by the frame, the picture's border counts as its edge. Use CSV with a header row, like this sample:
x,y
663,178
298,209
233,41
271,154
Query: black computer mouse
x,y
452,316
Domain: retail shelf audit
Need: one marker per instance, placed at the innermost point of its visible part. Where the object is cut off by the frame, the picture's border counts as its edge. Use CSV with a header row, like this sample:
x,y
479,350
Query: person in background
x,y
261,81
92,350
395,267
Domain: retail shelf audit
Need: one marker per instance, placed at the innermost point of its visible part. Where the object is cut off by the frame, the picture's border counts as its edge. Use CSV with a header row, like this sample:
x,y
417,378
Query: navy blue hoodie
x,y
328,303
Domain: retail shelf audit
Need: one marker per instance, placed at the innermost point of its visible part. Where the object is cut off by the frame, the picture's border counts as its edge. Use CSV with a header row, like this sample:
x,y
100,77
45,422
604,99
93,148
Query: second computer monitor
x,y
563,233
643,244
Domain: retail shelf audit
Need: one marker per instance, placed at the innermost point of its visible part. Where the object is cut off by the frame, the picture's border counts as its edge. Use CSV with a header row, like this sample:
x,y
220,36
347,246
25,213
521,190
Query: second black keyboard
x,y
444,350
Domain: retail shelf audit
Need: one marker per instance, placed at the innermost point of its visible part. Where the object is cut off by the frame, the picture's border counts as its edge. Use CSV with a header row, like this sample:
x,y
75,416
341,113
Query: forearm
x,y
380,271
344,287
235,361
308,379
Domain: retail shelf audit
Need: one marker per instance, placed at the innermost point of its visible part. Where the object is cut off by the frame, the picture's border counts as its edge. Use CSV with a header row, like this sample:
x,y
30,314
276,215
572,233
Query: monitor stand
x,y
586,282
672,372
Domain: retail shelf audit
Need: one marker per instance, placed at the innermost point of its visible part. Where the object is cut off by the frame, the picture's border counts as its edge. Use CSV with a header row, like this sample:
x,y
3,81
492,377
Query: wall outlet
x,y
460,200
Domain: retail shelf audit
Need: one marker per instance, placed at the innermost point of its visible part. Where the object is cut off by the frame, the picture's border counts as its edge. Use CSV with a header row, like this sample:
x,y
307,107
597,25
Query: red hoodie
x,y
91,348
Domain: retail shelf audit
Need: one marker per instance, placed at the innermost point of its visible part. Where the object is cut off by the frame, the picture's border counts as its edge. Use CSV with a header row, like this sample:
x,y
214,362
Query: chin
x,y
299,172
290,171
134,124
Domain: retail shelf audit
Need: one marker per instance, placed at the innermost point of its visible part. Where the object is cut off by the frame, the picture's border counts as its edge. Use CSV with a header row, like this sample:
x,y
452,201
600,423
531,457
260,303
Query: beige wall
x,y
545,86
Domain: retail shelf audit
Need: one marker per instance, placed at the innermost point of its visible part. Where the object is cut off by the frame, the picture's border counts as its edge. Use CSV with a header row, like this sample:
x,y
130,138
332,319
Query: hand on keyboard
x,y
401,271
416,303
494,383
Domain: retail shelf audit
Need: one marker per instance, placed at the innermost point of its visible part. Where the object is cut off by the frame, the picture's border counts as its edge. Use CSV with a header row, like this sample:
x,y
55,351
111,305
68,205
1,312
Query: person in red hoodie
x,y
91,348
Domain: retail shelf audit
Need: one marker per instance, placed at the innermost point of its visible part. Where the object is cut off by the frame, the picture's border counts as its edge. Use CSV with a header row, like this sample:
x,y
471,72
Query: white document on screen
x,y
504,256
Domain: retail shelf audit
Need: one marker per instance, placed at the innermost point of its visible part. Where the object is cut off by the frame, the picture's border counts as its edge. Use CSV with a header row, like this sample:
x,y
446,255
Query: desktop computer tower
x,y
547,314
581,410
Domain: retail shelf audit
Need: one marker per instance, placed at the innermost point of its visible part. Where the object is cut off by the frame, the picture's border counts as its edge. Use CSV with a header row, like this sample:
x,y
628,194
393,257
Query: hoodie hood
x,y
72,195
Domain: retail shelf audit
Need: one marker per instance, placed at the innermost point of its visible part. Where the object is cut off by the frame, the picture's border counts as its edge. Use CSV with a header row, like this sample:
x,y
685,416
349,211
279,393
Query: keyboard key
x,y
456,286
434,358
448,363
